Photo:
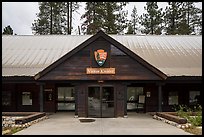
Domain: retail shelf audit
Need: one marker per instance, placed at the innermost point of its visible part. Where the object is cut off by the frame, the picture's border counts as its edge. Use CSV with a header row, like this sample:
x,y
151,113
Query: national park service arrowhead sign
x,y
100,56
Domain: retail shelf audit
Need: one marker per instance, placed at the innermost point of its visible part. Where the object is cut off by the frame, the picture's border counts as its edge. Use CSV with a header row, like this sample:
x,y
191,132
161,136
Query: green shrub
x,y
195,120
186,112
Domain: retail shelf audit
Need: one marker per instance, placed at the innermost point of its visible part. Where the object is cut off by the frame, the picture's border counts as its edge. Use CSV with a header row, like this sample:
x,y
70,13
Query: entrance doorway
x,y
100,101
65,99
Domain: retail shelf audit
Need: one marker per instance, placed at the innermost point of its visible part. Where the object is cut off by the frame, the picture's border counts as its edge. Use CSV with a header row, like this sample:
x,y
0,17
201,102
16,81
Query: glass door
x,y
100,101
107,102
66,98
94,104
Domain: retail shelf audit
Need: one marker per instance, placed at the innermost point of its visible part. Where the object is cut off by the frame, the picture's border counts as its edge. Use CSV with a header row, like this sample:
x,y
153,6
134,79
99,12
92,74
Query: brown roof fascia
x,y
135,56
66,56
20,79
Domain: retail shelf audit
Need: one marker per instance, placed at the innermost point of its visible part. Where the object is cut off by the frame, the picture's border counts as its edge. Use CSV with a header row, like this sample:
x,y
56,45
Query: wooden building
x,y
100,75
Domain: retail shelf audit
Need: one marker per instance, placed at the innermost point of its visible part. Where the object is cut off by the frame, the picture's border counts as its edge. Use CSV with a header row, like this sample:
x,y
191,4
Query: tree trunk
x,y
67,17
79,30
70,25
188,14
51,19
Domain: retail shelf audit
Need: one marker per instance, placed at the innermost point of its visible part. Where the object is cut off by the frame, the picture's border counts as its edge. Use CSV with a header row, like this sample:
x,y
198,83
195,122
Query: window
x,y
26,98
194,97
133,94
173,98
116,52
6,98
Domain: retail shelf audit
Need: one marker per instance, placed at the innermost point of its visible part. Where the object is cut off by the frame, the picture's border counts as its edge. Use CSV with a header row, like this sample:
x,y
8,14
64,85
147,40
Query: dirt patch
x,y
194,130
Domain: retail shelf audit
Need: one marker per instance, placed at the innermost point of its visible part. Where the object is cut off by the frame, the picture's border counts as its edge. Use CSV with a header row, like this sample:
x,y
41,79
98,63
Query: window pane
x,y
66,94
69,94
6,98
61,93
133,94
26,98
173,98
194,97
66,98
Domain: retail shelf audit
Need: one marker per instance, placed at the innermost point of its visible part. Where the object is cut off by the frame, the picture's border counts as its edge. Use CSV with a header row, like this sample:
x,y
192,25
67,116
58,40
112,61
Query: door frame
x,y
101,86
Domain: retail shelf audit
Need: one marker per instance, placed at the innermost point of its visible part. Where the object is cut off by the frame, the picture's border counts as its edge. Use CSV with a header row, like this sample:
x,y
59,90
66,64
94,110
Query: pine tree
x,y
183,18
93,17
130,29
110,18
121,17
133,25
106,16
8,30
42,24
192,16
54,18
152,20
172,18
69,8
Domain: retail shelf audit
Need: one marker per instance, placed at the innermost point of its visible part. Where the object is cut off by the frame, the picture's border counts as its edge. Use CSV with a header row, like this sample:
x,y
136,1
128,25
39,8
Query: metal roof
x,y
174,55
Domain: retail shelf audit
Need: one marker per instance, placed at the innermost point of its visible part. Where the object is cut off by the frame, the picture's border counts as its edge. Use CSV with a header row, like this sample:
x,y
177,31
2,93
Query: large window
x,y
26,98
133,94
194,97
66,98
6,98
173,98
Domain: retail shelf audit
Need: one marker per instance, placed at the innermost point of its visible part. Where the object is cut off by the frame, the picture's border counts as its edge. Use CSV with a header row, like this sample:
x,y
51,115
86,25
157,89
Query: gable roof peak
x,y
100,32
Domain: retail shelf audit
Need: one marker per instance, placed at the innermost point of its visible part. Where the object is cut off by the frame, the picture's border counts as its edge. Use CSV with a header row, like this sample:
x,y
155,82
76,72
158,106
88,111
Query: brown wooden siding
x,y
81,97
152,101
120,100
183,93
50,106
74,68
11,89
16,96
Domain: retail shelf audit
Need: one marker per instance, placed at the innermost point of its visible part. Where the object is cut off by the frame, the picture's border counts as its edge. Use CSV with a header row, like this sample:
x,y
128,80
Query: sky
x,y
21,15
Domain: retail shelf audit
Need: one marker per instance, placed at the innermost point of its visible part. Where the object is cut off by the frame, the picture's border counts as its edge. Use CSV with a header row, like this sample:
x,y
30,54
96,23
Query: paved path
x,y
64,123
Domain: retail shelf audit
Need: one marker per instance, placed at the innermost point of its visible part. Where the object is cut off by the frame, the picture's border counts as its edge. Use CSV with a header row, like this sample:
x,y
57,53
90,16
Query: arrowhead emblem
x,y
100,56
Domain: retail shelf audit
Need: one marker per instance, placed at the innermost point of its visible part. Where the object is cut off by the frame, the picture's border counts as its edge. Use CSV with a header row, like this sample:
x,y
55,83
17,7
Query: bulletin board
x,y
141,99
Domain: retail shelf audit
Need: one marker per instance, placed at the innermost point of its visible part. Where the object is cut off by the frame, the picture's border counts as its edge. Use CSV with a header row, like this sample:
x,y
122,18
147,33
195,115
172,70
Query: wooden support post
x,y
41,96
159,97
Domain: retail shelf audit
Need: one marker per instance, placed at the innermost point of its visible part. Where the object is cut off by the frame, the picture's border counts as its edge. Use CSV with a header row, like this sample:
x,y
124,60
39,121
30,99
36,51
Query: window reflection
x,y
133,94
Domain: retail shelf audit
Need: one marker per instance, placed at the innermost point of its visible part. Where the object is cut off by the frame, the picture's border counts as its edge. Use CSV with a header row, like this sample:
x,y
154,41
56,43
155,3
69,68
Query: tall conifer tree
x,y
152,20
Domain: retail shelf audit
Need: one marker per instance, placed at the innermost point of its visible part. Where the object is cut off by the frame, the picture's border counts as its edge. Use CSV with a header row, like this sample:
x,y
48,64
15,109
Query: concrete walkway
x,y
64,123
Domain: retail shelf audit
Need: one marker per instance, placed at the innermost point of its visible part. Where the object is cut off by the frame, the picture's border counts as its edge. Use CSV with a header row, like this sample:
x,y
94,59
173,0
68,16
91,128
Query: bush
x,y
186,112
197,119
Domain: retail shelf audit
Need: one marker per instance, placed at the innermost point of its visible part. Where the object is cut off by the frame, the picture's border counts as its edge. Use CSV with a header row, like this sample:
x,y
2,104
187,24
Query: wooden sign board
x,y
100,70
